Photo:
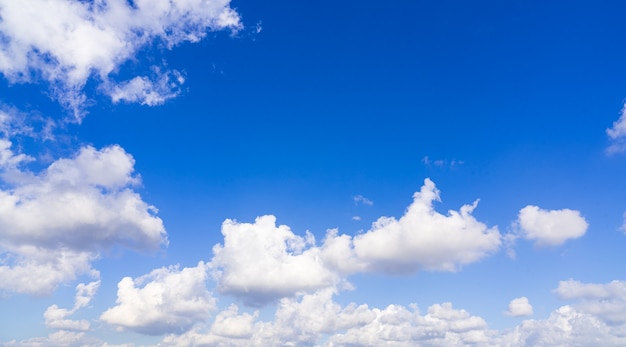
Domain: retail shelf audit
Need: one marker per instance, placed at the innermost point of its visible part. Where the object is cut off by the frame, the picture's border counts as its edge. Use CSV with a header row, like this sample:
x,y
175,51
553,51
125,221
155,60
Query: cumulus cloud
x,y
167,300
564,327
316,320
55,223
288,263
607,301
56,317
519,307
550,227
423,239
66,42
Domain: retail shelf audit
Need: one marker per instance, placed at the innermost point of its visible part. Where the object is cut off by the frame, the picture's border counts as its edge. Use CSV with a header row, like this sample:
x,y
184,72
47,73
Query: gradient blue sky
x,y
326,115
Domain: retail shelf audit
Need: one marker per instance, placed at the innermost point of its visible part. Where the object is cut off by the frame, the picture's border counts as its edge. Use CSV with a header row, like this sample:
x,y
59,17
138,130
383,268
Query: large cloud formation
x,y
65,42
261,262
54,223
422,239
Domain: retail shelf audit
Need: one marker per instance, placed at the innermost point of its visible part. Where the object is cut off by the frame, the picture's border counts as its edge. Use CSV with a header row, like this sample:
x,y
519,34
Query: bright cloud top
x,y
65,42
261,262
167,300
53,224
550,227
424,239
519,307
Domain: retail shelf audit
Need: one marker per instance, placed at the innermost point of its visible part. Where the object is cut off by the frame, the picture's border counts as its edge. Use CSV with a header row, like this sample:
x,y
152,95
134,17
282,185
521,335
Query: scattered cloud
x,y
519,307
607,301
356,218
360,199
307,320
167,300
550,227
55,223
564,327
56,317
442,163
66,42
289,263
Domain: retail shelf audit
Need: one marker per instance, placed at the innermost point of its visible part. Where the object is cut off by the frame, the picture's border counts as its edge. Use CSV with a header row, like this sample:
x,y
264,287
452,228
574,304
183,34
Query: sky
x,y
322,173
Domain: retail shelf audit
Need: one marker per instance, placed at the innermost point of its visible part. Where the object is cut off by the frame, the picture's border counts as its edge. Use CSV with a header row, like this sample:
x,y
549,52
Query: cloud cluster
x,y
305,321
422,239
607,301
66,42
54,223
167,300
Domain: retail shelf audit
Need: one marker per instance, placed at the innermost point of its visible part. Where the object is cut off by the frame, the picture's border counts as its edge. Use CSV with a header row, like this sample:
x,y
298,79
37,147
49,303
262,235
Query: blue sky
x,y
217,173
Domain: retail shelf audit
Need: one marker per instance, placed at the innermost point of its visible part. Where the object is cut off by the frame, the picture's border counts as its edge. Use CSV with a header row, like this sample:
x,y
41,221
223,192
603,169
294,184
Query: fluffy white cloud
x,y
53,224
607,301
167,300
565,327
550,227
398,326
56,317
260,262
424,239
519,307
65,42
316,320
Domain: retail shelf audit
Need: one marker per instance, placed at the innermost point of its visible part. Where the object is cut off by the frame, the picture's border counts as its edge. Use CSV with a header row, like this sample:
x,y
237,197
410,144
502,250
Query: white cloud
x,y
360,199
61,338
65,42
146,91
167,300
420,240
617,134
288,263
550,227
424,239
606,301
56,317
55,223
519,307
564,327
313,318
